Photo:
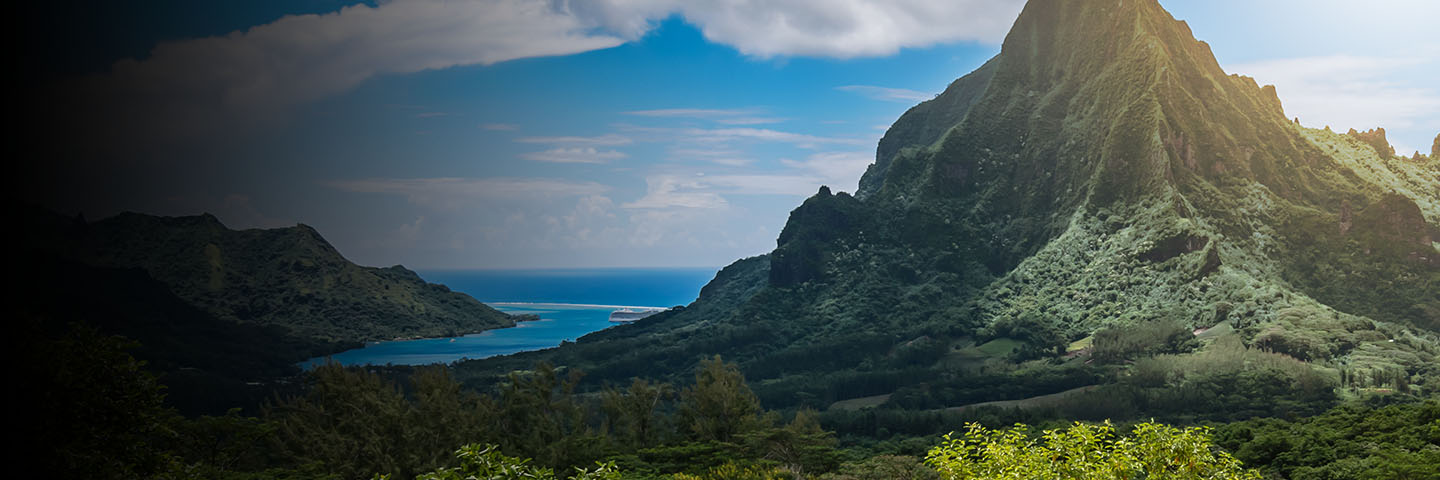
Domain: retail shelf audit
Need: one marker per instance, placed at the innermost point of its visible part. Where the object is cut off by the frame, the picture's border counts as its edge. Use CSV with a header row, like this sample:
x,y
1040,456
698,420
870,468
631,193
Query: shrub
x,y
486,461
1118,344
1152,451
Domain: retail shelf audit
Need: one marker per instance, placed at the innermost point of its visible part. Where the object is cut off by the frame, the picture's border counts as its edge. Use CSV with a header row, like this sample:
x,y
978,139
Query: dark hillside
x,y
286,277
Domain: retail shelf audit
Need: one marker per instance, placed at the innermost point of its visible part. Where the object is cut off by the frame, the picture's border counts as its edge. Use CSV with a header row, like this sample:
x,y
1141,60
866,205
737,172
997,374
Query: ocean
x,y
570,303
649,287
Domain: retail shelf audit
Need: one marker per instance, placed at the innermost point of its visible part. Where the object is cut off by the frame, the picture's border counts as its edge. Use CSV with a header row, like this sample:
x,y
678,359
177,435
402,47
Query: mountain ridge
x,y
1101,173
289,277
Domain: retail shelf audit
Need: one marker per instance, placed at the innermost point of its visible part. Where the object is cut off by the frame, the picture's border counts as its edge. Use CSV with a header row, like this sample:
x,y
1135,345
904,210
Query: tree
x,y
539,416
96,412
443,416
736,471
884,467
351,421
1117,344
632,413
720,405
486,462
801,447
1082,452
355,422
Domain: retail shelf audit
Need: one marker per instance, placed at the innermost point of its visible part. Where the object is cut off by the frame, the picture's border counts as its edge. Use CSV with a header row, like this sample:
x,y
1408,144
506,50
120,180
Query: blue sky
x,y
528,133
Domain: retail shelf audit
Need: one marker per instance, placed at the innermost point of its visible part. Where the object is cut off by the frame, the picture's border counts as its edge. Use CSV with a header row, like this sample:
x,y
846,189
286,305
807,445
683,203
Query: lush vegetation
x,y
1083,452
1398,441
92,409
223,315
1100,224
287,277
102,416
485,461
1085,188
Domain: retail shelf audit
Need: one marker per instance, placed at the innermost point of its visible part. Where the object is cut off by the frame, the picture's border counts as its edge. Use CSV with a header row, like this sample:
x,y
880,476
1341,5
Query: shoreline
x,y
519,319
517,322
585,305
310,363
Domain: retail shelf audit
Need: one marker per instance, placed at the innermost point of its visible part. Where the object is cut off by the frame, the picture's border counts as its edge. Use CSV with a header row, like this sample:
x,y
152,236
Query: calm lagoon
x,y
570,303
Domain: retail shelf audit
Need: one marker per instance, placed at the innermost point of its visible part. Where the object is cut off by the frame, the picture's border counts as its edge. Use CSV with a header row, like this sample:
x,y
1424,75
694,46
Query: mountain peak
x,y
1108,112
1102,172
1117,100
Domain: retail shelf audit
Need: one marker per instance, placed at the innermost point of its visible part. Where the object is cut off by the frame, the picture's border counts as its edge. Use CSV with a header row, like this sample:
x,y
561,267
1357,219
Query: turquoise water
x,y
650,287
570,303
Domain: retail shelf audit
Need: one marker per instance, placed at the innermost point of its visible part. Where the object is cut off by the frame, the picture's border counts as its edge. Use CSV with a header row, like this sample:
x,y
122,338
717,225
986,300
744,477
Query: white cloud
x,y
691,112
797,184
574,149
590,207
749,120
728,157
301,58
500,127
748,116
453,192
839,170
723,135
708,191
692,230
667,191
824,28
406,235
575,155
610,140
1345,91
771,136
887,94
731,161
250,78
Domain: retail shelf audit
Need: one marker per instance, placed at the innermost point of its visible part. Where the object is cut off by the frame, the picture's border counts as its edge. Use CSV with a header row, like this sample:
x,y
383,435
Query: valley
x,y
1098,232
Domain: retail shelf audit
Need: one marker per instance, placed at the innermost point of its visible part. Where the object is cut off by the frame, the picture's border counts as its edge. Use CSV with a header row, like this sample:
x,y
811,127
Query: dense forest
x,y
223,314
1098,245
101,414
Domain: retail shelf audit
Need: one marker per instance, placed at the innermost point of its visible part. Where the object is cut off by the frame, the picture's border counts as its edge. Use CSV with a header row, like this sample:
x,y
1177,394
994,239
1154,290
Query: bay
x,y
651,287
569,302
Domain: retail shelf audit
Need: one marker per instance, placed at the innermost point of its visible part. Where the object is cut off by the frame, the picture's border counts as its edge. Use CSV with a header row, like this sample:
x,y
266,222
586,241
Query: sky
x,y
598,133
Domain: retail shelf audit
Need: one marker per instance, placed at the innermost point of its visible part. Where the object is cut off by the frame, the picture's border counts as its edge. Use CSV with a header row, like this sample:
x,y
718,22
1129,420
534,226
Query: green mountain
x,y
289,278
209,365
223,315
1099,212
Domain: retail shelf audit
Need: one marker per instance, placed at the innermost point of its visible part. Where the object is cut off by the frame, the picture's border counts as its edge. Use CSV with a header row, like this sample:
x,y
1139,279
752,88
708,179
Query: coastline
x,y
518,318
582,305
522,312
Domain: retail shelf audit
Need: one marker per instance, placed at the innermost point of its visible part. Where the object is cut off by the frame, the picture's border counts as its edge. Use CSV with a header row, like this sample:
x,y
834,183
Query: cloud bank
x,y
901,95
819,28
459,192
255,76
1346,91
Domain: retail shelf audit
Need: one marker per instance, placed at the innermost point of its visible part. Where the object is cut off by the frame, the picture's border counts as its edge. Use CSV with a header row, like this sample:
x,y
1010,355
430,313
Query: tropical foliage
x,y
485,461
1085,452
